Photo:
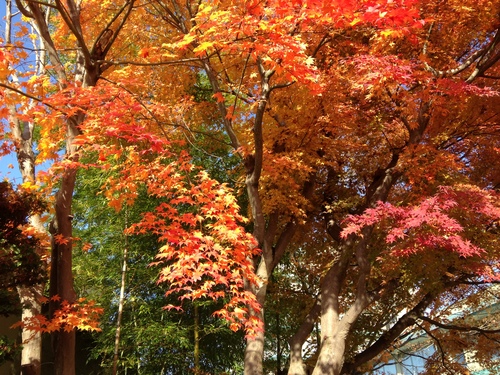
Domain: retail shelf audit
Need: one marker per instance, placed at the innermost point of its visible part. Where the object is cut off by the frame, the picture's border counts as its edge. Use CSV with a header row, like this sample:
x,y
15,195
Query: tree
x,y
21,252
379,115
363,134
20,258
153,340
22,134
85,72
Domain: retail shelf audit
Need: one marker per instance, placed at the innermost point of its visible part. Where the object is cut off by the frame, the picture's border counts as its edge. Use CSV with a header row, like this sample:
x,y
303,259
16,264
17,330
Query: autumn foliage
x,y
83,315
356,138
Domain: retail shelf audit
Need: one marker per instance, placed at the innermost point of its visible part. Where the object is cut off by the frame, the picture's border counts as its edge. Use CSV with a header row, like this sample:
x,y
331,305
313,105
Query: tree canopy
x,y
330,165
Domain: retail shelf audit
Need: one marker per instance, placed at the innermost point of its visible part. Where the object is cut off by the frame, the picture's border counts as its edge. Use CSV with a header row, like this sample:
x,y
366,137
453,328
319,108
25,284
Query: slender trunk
x,y
31,354
61,276
196,339
121,302
86,73
278,344
264,229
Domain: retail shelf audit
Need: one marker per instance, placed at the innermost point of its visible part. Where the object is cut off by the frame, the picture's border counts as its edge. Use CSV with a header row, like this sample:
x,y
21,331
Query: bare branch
x,y
455,327
441,350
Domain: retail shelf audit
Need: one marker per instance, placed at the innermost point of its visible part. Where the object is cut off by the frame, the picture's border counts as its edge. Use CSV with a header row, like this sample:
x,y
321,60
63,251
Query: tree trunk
x,y
297,341
254,350
333,332
31,354
61,276
121,301
196,339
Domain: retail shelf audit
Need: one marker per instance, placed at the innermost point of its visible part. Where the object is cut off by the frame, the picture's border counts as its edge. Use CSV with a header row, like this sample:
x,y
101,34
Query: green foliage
x,y
153,340
8,349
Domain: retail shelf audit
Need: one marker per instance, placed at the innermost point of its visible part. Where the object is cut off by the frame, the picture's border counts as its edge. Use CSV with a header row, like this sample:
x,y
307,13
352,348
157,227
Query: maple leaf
x,y
144,52
218,96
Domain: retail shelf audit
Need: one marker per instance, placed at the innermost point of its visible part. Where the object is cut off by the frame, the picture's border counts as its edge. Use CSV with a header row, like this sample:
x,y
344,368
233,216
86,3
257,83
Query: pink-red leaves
x,y
437,223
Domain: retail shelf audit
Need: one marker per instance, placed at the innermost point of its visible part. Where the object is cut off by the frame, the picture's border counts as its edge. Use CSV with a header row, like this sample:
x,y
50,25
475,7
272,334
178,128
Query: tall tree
x,y
312,159
362,132
90,45
22,133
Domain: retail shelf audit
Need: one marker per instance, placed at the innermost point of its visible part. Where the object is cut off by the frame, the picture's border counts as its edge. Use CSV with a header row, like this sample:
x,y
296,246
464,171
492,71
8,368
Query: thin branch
x,y
441,351
29,96
490,77
484,58
220,105
241,82
424,48
159,123
281,85
137,63
130,4
456,327
43,3
75,29
41,26
321,43
25,12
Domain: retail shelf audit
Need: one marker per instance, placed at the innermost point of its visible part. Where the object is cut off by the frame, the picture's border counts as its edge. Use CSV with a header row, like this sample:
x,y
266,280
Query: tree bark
x,y
31,355
334,327
196,335
254,350
87,73
61,276
121,301
388,337
297,341
22,133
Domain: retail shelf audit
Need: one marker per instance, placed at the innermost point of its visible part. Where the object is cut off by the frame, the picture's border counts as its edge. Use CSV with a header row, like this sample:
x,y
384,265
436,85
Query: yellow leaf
x,y
355,21
387,33
186,40
203,47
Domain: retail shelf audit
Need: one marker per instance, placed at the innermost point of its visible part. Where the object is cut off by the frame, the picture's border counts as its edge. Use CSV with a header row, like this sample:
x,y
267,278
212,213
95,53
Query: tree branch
x,y
130,5
441,350
455,327
29,96
388,337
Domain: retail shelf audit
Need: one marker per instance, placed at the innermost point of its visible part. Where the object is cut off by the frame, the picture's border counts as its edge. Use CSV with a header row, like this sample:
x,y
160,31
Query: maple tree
x,y
20,248
367,140
152,338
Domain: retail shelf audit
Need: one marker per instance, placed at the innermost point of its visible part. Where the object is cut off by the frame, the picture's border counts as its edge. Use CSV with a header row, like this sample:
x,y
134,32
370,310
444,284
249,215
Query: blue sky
x,y
12,174
5,172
